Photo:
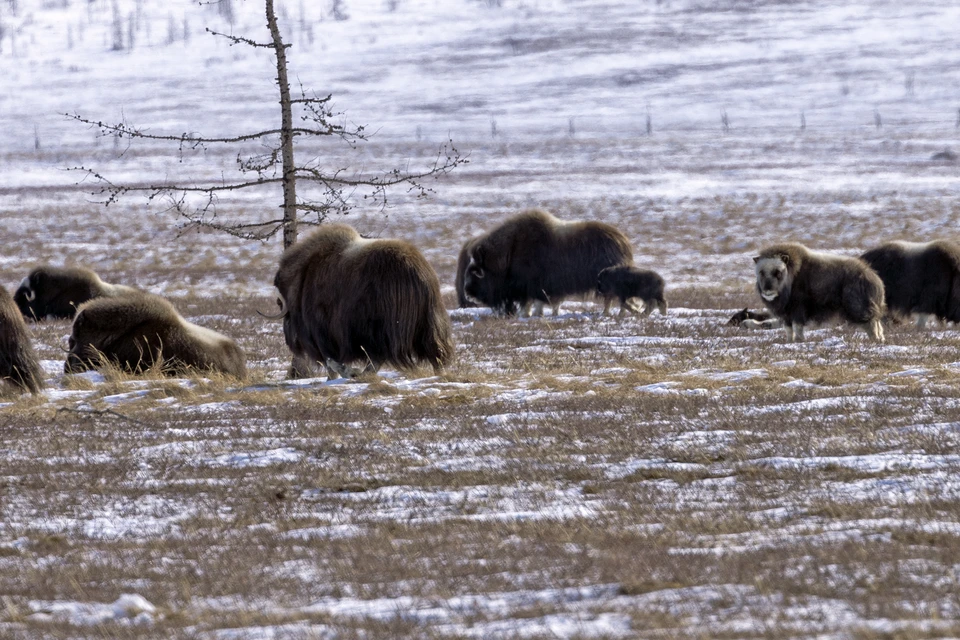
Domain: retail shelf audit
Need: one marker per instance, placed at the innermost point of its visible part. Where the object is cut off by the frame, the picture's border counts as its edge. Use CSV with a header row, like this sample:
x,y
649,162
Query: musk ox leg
x,y
788,330
555,307
798,332
875,330
606,306
922,319
302,367
525,309
538,308
662,306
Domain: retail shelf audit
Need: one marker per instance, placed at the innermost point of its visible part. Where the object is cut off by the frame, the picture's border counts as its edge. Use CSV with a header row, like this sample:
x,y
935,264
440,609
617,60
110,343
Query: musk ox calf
x,y
346,299
533,257
920,278
799,286
56,292
18,362
140,331
626,282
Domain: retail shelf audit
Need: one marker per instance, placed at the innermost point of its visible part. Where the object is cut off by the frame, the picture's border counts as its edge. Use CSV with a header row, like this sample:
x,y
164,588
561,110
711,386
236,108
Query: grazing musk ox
x,y
346,299
626,282
18,361
799,286
56,292
141,330
463,261
533,257
921,278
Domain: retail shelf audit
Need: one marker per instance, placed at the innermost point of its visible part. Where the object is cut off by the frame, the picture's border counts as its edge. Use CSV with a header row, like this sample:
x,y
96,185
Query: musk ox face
x,y
773,277
476,283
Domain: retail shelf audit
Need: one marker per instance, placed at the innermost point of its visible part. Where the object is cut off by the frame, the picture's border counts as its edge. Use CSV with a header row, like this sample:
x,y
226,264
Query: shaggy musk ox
x,y
141,330
18,362
55,292
626,282
533,257
346,299
921,278
799,286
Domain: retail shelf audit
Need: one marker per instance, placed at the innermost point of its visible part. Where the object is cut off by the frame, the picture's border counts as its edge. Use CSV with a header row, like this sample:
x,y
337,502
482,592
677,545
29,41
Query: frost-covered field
x,y
568,477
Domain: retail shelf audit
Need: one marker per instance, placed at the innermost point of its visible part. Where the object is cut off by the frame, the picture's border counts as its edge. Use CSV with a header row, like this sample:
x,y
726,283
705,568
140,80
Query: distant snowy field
x,y
570,476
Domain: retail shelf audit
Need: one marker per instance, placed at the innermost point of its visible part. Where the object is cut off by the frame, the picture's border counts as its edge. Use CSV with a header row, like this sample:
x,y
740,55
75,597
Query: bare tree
x,y
276,166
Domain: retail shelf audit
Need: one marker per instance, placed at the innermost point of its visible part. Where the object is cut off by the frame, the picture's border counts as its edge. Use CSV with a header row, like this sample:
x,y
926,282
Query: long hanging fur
x,y
141,330
353,300
56,292
18,361
921,278
533,256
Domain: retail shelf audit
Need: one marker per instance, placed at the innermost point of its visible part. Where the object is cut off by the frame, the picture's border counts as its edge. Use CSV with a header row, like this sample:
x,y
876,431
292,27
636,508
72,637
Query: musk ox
x,y
18,362
626,282
141,330
463,260
56,292
919,278
754,320
533,257
346,299
799,286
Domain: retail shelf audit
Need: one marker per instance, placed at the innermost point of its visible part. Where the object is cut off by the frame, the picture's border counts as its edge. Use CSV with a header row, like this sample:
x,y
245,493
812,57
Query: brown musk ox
x,y
533,257
346,299
801,286
18,361
56,292
627,282
139,331
919,278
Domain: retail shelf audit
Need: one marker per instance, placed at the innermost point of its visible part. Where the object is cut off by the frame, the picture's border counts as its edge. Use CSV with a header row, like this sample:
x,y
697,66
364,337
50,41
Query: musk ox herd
x,y
352,305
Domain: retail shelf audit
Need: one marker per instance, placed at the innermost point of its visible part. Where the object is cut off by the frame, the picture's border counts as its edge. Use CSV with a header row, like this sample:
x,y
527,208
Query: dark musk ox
x,y
345,299
56,292
138,331
920,278
533,257
800,286
18,361
627,282
754,320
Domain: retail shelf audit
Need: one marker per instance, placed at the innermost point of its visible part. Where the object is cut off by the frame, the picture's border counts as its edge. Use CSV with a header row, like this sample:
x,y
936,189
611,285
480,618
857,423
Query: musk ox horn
x,y
283,309
29,294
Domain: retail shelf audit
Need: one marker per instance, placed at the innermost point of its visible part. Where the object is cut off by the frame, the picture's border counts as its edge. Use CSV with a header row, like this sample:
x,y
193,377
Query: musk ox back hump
x,y
18,361
139,331
350,299
535,256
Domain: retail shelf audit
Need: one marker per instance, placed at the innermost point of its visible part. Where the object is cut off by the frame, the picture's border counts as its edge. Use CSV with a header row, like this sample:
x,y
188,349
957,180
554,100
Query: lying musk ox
x,y
140,331
626,282
754,320
18,362
533,257
921,278
799,286
345,299
56,292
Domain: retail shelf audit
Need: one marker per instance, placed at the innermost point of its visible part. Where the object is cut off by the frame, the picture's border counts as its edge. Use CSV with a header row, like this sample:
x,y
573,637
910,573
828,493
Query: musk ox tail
x,y
18,361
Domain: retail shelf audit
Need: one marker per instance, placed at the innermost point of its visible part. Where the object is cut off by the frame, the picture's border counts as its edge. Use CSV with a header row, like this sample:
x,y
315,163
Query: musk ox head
x,y
774,276
18,361
141,331
56,292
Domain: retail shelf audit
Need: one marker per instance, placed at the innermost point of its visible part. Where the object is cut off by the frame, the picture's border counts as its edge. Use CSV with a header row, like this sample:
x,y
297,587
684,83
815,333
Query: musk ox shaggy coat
x,y
921,278
56,292
18,362
800,286
626,282
534,257
347,299
141,330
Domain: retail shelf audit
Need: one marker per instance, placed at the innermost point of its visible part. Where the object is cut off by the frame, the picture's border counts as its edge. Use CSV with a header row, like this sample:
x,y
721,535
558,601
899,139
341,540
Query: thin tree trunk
x,y
286,132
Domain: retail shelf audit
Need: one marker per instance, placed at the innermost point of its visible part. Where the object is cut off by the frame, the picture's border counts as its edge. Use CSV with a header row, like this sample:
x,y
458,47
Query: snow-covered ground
x,y
573,476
